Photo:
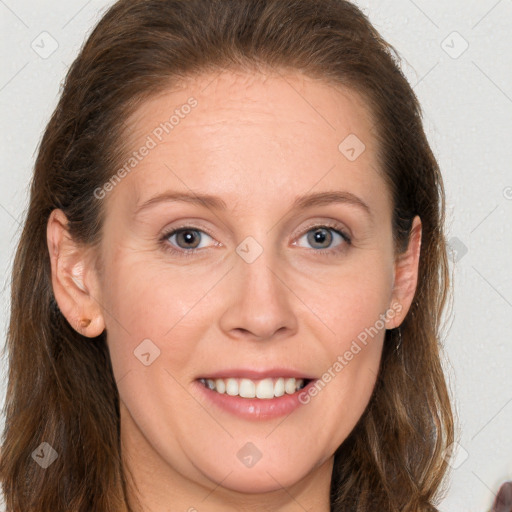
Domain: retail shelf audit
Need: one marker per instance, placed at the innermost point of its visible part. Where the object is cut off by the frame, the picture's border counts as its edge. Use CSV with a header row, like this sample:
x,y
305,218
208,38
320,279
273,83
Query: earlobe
x,y
70,268
406,276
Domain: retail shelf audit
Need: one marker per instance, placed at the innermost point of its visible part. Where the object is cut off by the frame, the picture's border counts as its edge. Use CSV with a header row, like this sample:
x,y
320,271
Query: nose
x,y
261,302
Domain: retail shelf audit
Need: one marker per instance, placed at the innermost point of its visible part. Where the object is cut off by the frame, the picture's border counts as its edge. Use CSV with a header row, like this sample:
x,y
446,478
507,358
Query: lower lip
x,y
255,408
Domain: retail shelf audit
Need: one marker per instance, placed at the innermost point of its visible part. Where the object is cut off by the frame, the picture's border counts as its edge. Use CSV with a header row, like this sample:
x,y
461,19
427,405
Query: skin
x,y
258,142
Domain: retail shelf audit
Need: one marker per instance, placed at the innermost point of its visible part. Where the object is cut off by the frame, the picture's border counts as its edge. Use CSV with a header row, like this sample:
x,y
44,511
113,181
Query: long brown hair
x,y
61,388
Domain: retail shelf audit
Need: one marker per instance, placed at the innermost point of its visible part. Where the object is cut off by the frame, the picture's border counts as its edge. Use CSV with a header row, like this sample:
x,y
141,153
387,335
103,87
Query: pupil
x,y
189,236
320,236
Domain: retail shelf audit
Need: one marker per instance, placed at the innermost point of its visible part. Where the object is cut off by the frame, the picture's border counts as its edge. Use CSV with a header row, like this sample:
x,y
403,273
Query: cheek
x,y
350,300
147,296
146,299
355,313
352,357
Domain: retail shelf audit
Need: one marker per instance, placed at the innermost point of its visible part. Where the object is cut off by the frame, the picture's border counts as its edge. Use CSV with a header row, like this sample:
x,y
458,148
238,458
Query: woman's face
x,y
263,284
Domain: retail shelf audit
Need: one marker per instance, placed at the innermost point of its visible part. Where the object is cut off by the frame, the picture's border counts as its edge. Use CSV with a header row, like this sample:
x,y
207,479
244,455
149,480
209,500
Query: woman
x,y
228,290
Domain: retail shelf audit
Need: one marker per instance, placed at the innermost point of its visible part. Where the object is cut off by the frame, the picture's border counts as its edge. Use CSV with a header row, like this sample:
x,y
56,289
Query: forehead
x,y
246,99
231,132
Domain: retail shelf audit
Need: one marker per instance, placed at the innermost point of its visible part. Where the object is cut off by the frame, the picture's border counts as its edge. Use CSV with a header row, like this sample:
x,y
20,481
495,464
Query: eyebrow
x,y
300,203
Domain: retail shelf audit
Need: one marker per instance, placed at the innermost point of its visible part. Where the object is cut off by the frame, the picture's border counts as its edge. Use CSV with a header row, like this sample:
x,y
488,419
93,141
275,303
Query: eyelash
x,y
187,253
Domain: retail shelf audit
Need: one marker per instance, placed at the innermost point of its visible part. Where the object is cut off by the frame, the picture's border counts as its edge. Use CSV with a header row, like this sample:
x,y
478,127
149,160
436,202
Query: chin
x,y
263,477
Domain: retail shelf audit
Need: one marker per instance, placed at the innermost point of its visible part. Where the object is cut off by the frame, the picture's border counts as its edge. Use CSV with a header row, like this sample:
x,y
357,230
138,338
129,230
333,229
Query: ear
x,y
406,276
73,278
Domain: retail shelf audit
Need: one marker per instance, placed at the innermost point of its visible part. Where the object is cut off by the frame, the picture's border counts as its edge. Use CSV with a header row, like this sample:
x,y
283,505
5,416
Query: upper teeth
x,y
247,388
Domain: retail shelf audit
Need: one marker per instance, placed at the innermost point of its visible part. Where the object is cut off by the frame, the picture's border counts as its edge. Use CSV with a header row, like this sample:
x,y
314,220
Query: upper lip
x,y
254,374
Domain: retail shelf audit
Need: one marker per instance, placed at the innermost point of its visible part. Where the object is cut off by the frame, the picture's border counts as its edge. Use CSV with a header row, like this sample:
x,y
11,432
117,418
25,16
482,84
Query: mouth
x,y
264,389
256,394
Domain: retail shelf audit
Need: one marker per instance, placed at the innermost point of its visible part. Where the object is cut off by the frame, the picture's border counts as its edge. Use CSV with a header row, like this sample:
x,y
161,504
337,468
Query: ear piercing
x,y
84,322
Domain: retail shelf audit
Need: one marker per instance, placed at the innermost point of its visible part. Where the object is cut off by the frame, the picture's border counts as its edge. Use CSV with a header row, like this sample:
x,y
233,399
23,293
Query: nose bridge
x,y
258,270
260,302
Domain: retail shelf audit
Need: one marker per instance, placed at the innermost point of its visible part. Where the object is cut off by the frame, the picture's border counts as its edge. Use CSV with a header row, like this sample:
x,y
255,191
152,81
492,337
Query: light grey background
x,y
466,94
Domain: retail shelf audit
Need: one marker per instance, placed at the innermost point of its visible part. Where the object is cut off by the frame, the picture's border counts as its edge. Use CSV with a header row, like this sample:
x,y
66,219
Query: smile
x,y
264,389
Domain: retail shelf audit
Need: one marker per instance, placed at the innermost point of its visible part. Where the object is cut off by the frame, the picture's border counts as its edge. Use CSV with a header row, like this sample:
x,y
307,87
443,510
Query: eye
x,y
322,237
186,239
